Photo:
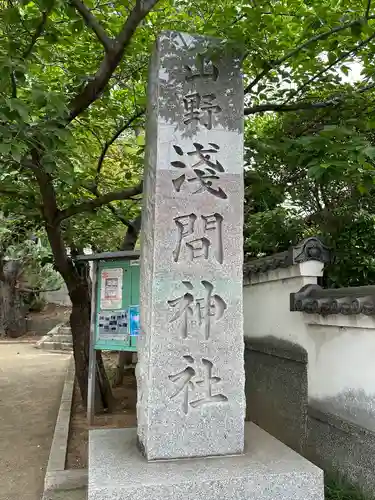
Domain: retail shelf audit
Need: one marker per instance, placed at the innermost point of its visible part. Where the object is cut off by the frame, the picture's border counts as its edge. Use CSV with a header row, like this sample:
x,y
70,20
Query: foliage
x,y
322,163
339,489
72,97
59,49
353,250
271,231
36,268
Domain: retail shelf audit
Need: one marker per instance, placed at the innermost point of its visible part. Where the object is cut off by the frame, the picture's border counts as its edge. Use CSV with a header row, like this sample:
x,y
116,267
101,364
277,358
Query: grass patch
x,y
338,489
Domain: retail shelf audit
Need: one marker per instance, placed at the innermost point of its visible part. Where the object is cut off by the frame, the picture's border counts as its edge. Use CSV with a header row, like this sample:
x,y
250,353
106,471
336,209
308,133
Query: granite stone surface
x,y
276,388
190,373
268,470
341,446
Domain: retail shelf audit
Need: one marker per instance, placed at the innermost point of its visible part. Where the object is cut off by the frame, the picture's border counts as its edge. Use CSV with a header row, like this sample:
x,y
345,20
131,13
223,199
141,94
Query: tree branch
x,y
368,9
299,106
97,84
337,60
94,133
38,32
46,188
13,84
39,290
94,24
109,143
90,205
295,51
9,192
6,192
120,217
131,236
115,212
285,14
283,108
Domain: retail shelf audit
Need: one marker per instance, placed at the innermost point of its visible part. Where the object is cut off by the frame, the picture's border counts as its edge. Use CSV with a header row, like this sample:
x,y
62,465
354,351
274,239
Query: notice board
x,y
117,290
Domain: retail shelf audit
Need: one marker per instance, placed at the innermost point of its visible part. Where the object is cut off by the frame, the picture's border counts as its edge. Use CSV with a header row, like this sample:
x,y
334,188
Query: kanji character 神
x,y
205,309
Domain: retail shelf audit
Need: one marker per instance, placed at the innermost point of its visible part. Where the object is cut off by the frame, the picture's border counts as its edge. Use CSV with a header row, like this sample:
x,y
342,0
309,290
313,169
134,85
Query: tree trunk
x,y
80,326
131,235
12,309
76,282
79,287
124,358
103,385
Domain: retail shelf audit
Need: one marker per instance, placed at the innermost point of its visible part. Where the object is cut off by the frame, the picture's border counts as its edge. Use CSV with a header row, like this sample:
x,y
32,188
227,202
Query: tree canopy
x,y
72,111
74,76
312,172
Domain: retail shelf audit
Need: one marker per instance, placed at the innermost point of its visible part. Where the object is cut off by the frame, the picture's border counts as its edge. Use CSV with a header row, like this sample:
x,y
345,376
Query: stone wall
x,y
324,432
276,389
340,347
340,446
266,307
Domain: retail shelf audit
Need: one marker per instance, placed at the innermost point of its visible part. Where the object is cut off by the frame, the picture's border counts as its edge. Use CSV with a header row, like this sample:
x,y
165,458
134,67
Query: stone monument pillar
x,y
190,372
189,443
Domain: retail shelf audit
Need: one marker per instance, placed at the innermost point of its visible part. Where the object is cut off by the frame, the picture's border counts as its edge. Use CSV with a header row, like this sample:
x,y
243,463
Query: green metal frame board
x,y
106,316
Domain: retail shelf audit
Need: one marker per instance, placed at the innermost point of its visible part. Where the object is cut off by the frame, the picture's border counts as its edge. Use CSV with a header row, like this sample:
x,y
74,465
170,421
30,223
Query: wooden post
x,y
92,357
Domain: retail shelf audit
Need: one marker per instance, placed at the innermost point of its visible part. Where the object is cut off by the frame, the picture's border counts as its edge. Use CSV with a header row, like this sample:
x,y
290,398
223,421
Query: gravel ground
x,y
31,383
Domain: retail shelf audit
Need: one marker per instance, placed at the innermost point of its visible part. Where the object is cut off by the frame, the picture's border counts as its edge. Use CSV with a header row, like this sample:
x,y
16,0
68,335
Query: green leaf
x,y
5,148
16,156
369,151
345,70
11,15
356,30
332,57
140,140
20,107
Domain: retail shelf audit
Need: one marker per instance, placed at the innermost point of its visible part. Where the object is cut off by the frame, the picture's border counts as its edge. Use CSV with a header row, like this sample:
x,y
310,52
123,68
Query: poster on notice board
x,y
133,321
113,325
111,288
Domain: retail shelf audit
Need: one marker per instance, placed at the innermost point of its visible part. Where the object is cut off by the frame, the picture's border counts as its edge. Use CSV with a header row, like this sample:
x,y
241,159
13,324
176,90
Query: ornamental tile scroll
x,y
313,299
311,248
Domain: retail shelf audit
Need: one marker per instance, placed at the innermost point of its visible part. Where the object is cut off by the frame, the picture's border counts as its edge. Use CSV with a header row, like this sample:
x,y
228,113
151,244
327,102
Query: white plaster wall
x,y
266,303
343,357
341,349
59,297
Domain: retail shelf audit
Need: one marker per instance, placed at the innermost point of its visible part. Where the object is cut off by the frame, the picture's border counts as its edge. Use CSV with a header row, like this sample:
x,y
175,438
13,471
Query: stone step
x,y
61,338
50,345
78,494
65,330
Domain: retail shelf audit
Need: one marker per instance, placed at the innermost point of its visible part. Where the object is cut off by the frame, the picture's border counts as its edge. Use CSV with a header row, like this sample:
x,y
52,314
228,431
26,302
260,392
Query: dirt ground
x,y
51,311
124,414
31,383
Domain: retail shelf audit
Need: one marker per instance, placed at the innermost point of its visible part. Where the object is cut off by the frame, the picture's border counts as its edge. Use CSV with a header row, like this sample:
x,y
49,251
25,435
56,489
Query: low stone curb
x,y
16,341
57,477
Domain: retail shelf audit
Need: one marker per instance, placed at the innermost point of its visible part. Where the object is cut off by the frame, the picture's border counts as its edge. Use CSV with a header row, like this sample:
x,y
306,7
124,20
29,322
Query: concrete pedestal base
x,y
268,470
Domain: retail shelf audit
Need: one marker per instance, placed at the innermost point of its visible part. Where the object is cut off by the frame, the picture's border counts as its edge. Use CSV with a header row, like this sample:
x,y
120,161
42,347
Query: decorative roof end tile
x,y
309,249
